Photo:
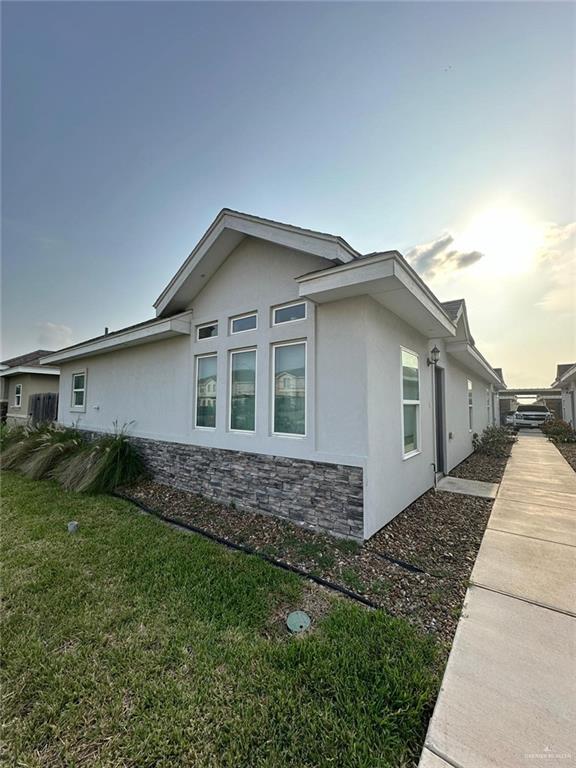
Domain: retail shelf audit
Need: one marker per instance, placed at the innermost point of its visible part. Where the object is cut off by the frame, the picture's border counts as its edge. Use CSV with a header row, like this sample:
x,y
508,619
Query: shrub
x,y
101,466
494,441
559,431
52,447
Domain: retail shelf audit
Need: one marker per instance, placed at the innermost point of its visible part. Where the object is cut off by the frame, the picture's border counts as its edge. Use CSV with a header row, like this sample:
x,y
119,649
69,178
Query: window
x,y
18,395
206,331
488,409
470,406
243,390
78,390
206,383
289,396
290,313
244,323
410,403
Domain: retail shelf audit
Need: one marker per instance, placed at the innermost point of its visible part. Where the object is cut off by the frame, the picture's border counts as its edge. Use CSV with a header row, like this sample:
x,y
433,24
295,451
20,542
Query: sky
x,y
444,130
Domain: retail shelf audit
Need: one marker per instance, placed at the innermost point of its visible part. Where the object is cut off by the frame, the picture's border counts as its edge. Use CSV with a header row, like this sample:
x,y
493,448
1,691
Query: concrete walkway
x,y
508,698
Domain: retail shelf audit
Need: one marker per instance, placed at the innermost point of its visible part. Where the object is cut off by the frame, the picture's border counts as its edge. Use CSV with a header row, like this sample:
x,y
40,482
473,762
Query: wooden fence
x,y
43,408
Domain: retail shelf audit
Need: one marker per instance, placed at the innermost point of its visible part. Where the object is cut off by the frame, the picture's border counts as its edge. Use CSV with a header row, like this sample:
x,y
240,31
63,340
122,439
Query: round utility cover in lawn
x,y
298,621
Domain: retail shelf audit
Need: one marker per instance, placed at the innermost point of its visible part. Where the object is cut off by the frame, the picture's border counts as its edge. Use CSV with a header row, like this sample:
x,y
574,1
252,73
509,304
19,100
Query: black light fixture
x,y
434,356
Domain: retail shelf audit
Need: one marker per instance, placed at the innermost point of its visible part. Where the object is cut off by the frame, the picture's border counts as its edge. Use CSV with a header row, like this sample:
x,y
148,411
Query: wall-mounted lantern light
x,y
434,356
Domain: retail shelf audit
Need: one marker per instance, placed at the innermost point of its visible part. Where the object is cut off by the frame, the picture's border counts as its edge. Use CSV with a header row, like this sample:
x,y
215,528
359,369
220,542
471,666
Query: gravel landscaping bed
x,y
568,450
437,538
479,467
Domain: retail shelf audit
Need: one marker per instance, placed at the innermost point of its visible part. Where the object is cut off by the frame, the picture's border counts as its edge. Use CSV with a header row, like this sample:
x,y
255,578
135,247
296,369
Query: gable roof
x,y
29,359
225,233
564,373
453,308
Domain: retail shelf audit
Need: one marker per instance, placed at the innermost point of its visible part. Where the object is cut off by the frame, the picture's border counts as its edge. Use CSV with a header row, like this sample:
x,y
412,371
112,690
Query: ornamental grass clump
x,y
54,445
20,444
101,466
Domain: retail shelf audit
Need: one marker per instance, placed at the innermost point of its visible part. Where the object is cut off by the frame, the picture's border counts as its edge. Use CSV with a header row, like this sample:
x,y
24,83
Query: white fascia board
x,y
391,282
42,370
229,223
471,358
156,331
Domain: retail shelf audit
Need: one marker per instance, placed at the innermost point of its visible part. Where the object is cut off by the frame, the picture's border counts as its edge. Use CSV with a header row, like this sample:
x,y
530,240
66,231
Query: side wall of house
x,y
32,384
394,481
569,403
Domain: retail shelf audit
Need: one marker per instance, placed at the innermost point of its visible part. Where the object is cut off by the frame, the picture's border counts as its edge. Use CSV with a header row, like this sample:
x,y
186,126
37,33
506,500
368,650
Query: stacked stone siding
x,y
317,495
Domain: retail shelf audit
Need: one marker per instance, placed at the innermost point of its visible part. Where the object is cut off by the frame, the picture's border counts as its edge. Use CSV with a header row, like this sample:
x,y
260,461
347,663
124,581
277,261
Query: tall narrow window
x,y
488,409
78,390
410,403
206,383
243,390
289,409
470,406
18,395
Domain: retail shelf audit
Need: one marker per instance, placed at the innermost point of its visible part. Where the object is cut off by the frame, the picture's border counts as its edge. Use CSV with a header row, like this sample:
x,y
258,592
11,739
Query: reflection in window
x,y
243,390
206,381
290,389
290,313
410,401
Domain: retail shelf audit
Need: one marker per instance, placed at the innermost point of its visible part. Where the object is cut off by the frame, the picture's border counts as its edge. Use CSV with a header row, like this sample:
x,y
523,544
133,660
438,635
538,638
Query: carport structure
x,y
508,399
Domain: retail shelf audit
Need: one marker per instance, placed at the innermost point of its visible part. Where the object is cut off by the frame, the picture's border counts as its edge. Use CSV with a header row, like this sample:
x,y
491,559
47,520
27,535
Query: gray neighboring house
x,y
566,381
20,378
290,374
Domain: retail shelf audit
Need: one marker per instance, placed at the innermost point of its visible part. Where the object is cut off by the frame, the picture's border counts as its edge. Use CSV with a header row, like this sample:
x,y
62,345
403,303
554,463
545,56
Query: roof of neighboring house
x,y
29,359
562,368
564,372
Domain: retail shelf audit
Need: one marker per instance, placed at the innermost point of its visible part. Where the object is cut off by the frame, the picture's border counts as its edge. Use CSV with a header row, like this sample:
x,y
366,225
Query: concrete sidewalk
x,y
508,697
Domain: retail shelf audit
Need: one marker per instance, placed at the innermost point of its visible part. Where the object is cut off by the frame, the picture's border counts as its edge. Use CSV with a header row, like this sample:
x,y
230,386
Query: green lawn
x,y
133,644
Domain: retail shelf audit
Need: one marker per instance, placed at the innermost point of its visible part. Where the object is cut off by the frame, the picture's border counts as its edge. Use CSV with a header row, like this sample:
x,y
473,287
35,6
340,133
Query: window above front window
x,y
206,331
244,323
79,390
289,313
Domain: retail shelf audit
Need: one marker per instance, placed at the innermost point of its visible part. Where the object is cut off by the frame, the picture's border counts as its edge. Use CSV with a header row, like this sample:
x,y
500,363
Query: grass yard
x,y
133,644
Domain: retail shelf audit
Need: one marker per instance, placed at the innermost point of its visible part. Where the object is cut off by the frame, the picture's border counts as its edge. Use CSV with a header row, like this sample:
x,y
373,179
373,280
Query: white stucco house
x,y
286,372
565,381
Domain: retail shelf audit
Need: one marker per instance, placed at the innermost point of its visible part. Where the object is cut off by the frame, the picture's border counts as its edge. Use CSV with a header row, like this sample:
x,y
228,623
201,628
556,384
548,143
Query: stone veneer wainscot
x,y
317,495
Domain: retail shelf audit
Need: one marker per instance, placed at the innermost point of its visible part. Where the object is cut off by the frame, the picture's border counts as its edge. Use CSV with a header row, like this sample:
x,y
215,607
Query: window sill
x,y
78,410
411,454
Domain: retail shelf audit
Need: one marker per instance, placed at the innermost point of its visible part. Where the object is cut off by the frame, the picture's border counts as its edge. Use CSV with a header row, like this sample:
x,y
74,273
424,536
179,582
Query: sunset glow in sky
x,y
445,130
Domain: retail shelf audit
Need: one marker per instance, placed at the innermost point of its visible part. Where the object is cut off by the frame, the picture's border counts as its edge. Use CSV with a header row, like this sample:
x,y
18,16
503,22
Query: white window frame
x,y
289,435
18,396
404,402
470,396
241,317
207,325
196,380
287,306
237,352
74,389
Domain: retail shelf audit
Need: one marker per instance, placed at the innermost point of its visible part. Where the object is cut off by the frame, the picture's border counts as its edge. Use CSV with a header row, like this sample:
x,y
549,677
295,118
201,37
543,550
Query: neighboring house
x,y
565,381
22,377
286,372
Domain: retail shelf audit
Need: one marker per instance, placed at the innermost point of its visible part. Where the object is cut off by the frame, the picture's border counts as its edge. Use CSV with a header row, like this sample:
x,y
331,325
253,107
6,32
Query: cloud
x,y
431,258
557,269
53,336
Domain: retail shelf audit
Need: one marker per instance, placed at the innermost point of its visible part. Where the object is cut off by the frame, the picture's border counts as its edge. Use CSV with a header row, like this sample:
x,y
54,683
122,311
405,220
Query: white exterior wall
x,y
569,402
393,481
152,385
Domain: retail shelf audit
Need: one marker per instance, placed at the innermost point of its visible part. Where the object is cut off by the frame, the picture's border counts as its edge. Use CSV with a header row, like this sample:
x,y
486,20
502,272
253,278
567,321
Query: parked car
x,y
509,419
531,416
